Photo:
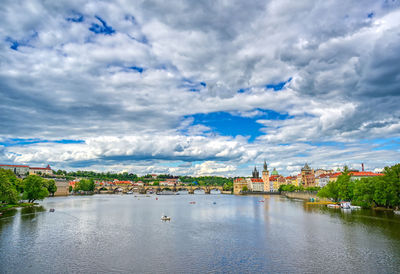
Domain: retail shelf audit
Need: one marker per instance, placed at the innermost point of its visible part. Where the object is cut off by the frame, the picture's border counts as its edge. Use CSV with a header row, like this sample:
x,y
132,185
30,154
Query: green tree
x,y
34,188
331,190
364,190
51,187
345,186
245,188
85,185
8,193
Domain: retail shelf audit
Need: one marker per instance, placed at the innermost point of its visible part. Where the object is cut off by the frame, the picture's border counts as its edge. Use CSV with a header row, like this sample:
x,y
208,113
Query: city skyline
x,y
205,88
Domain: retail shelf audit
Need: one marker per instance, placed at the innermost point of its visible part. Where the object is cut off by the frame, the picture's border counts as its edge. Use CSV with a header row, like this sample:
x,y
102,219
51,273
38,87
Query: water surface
x,y
237,234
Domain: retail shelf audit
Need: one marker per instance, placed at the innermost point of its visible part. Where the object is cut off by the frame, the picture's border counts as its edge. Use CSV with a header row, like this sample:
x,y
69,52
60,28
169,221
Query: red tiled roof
x,y
41,168
123,182
255,180
273,177
15,165
365,173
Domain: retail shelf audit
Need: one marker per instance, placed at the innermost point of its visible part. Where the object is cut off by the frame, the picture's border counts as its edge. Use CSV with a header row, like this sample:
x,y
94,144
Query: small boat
x,y
129,192
165,218
333,206
261,201
355,207
345,205
214,203
396,212
156,198
52,210
192,203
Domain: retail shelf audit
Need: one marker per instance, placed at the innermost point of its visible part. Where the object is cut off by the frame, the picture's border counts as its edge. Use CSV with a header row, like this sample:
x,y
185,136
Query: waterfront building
x,y
323,179
321,171
307,176
255,184
238,185
40,170
364,174
17,169
291,180
356,175
276,181
62,187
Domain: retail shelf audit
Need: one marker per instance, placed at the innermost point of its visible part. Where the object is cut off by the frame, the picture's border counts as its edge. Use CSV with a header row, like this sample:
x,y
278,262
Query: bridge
x,y
156,189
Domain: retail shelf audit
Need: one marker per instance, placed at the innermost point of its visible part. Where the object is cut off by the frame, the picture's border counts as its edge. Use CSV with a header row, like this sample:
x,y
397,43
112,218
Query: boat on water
x,y
345,205
355,207
397,212
261,201
129,192
165,218
214,203
52,210
333,206
192,203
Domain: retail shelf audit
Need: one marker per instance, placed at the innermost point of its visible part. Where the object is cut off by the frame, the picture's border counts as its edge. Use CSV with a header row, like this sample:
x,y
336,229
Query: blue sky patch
x,y
76,18
24,42
22,142
14,43
138,69
229,125
278,86
103,29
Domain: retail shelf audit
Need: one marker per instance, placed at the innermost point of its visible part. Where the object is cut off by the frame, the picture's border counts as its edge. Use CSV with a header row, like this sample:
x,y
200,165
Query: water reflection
x,y
217,233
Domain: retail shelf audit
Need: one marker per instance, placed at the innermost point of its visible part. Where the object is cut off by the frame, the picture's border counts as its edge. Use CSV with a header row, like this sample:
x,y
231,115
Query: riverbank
x,y
8,207
304,195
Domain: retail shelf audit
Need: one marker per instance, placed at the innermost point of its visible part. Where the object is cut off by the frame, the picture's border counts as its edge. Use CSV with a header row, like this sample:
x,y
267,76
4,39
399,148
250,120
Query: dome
x,y
274,172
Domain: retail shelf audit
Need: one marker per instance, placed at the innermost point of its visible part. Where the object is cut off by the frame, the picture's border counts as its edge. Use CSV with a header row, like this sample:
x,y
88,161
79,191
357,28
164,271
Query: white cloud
x,y
65,82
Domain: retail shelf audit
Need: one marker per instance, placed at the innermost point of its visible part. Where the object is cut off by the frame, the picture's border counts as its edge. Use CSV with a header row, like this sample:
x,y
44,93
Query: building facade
x,y
307,176
17,169
238,185
40,170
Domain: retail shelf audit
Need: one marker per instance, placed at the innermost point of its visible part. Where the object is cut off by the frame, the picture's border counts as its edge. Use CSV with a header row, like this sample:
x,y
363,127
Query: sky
x,y
200,87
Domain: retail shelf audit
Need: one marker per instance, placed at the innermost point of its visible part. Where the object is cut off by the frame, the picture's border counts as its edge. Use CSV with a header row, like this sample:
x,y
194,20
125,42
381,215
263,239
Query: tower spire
x,y
265,166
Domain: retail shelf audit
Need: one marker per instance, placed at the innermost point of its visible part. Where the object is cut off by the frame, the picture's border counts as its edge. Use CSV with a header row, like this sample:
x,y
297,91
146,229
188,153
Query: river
x,y
219,233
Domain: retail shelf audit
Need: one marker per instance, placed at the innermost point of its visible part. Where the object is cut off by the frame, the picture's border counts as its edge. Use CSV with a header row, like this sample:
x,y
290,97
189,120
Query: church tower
x,y
255,173
265,178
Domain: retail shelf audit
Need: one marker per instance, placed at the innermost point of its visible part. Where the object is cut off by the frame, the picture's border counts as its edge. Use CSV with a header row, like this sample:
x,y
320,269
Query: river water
x,y
236,234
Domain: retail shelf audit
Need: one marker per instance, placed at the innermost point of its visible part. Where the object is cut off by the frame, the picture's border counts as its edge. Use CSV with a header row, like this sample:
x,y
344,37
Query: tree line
x,y
31,188
379,191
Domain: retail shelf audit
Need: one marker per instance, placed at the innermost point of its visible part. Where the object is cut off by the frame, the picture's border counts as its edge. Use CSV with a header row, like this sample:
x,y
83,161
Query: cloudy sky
x,y
200,87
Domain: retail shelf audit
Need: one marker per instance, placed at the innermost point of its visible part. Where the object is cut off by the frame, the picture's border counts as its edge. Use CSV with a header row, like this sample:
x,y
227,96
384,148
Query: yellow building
x,y
238,185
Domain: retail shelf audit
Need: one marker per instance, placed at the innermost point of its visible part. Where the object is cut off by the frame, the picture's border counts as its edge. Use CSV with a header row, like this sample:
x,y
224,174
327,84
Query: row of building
x,y
23,170
308,177
116,182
